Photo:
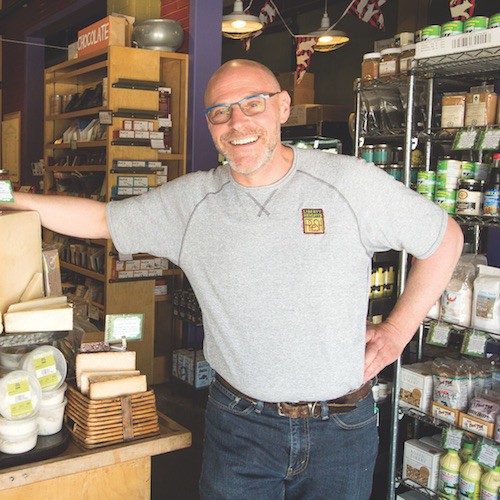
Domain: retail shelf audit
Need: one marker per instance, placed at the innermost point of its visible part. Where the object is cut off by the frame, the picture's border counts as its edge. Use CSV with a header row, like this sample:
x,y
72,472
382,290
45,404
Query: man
x,y
278,248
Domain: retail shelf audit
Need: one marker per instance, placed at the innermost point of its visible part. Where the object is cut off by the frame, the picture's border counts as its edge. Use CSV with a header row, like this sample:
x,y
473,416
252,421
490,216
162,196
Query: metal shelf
x,y
477,220
415,487
473,62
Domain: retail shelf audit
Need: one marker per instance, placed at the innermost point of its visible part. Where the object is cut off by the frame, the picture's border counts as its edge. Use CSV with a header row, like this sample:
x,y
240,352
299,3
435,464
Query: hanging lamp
x,y
328,40
239,24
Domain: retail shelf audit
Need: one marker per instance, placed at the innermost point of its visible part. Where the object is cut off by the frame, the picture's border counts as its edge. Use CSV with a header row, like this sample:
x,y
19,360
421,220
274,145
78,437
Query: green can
x,y
431,32
477,23
395,170
494,21
452,28
481,171
467,170
448,173
446,199
426,183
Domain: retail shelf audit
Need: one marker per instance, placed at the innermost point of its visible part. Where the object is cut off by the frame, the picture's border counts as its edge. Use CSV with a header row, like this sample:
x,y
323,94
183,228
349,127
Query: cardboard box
x,y
52,273
476,425
140,181
444,413
125,180
140,9
123,163
138,125
123,134
421,463
190,366
415,387
307,114
383,44
301,93
103,33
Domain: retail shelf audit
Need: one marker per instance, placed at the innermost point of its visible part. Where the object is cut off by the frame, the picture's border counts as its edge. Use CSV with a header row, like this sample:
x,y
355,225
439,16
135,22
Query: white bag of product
x,y
434,310
486,304
456,301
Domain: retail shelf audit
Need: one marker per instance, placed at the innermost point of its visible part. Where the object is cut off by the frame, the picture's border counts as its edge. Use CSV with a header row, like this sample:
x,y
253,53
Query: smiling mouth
x,y
244,141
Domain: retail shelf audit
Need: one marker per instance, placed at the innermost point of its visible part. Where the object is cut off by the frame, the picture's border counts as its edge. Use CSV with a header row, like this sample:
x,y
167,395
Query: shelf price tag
x,y
6,195
489,139
438,334
488,453
474,343
119,326
465,139
452,439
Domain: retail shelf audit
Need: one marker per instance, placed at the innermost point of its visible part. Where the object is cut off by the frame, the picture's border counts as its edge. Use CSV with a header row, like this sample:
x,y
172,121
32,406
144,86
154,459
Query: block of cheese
x,y
59,318
86,377
20,254
118,387
103,362
34,290
35,304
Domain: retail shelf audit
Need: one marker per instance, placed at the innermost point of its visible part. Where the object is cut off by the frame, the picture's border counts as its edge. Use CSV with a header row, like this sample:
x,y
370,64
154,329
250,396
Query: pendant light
x,y
239,24
328,40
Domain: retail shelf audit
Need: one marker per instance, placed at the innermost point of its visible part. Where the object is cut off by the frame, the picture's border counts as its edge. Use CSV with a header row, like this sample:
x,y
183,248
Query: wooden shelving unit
x,y
107,66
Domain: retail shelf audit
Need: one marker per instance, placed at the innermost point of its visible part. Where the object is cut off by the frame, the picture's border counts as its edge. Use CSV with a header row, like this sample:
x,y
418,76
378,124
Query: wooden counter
x,y
115,472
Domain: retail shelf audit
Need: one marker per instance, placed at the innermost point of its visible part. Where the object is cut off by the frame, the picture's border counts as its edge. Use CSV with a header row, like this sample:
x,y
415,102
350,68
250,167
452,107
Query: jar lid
x,y
471,182
394,165
390,51
367,146
407,48
371,55
382,146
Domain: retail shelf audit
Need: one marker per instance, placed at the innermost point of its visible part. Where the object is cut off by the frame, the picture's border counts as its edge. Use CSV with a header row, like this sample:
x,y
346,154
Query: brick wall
x,y
178,10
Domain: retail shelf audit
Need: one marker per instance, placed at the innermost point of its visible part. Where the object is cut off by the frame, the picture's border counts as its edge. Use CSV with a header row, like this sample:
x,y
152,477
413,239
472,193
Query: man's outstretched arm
x,y
68,215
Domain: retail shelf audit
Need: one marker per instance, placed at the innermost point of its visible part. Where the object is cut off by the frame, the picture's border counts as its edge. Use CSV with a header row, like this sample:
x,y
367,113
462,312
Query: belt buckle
x,y
312,408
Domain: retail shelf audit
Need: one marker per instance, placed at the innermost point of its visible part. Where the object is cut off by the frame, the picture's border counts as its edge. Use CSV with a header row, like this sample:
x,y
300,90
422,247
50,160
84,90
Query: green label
x,y
465,140
452,439
19,396
45,369
438,334
489,139
6,195
474,343
119,326
488,453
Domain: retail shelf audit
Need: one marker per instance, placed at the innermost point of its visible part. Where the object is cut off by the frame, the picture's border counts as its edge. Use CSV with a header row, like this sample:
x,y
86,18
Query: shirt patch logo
x,y
313,221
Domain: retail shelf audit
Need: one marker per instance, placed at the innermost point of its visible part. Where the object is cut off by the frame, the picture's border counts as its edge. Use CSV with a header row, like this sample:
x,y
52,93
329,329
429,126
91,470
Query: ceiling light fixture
x,y
239,24
328,40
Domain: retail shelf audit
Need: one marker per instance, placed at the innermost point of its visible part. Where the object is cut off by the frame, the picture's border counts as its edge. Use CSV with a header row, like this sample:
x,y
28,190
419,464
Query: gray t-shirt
x,y
282,272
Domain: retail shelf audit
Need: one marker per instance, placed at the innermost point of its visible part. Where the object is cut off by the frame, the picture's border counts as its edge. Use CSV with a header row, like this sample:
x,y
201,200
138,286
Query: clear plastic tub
x,y
50,418
54,397
13,428
48,365
11,357
20,395
18,444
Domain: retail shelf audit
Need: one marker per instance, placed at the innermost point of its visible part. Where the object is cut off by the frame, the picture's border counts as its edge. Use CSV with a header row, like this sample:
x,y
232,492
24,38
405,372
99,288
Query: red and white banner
x,y
266,16
462,9
369,12
304,51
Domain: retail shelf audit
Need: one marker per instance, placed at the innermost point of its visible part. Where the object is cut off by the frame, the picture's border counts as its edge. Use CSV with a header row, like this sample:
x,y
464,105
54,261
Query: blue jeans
x,y
251,451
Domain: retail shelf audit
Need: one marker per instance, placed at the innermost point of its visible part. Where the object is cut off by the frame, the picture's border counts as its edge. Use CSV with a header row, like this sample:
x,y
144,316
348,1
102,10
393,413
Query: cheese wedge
x,y
43,303
116,388
86,377
39,320
34,290
103,362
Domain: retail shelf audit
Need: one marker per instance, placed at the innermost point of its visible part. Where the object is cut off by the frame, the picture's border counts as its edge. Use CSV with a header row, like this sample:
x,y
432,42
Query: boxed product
x,y
453,109
444,413
476,425
305,114
141,134
190,366
301,93
123,134
486,303
142,125
416,386
421,463
481,106
123,163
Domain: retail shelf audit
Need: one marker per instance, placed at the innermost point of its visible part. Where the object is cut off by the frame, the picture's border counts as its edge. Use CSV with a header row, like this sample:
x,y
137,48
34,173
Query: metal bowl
x,y
158,34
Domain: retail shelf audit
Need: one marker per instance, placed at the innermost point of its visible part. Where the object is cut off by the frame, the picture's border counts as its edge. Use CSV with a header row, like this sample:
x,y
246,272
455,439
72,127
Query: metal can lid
x,y
382,146
367,146
471,182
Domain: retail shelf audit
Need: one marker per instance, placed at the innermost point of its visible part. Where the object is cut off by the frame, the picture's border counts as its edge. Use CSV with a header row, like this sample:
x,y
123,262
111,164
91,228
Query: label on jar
x,y
491,202
387,68
45,369
469,202
452,116
19,397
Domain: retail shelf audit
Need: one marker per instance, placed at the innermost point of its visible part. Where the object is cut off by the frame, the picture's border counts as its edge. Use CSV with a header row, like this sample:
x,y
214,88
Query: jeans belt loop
x,y
324,411
259,406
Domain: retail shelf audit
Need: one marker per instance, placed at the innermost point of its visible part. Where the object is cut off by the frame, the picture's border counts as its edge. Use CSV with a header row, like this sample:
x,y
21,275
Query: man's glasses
x,y
250,106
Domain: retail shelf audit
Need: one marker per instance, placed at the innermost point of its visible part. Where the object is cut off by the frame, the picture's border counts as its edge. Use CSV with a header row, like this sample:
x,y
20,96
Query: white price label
x,y
465,139
488,454
438,334
490,139
453,439
474,343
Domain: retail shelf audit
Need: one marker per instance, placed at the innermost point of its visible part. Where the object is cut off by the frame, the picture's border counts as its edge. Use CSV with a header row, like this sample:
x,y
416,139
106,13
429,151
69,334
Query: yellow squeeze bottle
x,y
470,476
490,482
449,468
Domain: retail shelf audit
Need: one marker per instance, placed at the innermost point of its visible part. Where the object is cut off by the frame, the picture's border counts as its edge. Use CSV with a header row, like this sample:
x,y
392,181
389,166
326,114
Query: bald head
x,y
242,72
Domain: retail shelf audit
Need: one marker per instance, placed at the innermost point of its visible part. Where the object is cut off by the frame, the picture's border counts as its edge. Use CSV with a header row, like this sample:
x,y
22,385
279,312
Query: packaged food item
x,y
382,154
431,32
370,66
20,395
470,476
476,23
452,28
407,55
491,205
466,451
48,365
494,21
481,106
18,444
456,301
490,483
50,418
485,407
497,429
449,469
421,463
366,152
470,196
448,173
404,39
452,383
453,109
418,36
446,199
389,62
415,389
486,304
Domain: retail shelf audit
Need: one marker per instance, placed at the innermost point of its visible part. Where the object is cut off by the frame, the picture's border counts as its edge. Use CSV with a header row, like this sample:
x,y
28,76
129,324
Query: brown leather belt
x,y
304,409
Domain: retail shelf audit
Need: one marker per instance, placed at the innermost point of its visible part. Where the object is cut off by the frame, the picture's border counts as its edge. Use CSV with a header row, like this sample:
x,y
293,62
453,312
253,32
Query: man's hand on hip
x,y
384,344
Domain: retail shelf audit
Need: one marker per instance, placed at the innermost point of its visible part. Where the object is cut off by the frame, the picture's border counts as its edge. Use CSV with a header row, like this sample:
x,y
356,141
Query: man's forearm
x,y
426,281
68,215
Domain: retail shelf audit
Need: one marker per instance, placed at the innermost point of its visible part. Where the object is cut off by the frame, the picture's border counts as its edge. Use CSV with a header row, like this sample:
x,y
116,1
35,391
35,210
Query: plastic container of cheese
x,y
20,395
48,365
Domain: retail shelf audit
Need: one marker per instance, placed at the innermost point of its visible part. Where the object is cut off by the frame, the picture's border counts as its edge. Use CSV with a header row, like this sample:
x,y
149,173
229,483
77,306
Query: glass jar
x,y
366,152
407,55
389,63
382,154
470,197
370,66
